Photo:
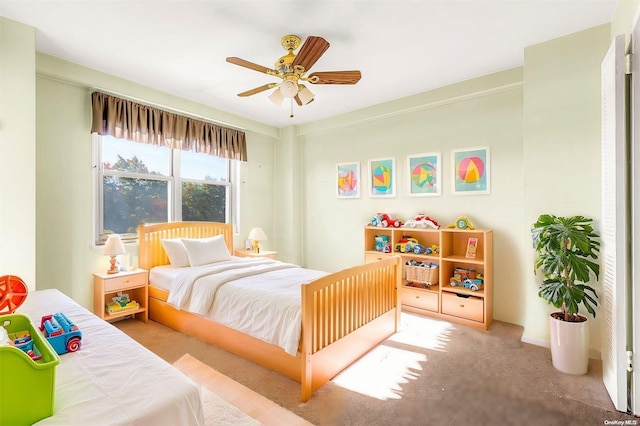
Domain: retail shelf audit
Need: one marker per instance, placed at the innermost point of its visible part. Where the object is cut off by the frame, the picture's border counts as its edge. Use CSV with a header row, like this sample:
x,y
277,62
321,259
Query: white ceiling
x,y
401,47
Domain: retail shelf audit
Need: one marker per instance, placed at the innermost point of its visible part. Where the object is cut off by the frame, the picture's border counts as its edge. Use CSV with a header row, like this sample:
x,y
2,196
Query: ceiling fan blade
x,y
335,77
258,89
250,65
310,52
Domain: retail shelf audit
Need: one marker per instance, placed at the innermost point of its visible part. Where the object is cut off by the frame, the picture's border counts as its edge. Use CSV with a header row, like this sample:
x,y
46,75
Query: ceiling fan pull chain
x,y
291,116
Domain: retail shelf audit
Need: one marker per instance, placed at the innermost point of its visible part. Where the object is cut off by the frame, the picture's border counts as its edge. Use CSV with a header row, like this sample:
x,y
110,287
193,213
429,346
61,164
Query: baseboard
x,y
536,342
593,353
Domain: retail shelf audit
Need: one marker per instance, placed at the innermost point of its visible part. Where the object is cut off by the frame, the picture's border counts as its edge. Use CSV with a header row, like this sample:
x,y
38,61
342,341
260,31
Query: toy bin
x,y
27,387
423,274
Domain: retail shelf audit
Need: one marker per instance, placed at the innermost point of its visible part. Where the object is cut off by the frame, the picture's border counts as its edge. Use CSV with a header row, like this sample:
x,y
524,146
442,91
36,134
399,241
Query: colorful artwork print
x,y
424,174
471,171
348,180
381,177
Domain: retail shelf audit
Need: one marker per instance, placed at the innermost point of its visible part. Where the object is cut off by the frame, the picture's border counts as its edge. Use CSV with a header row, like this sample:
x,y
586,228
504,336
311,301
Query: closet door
x,y
634,153
613,253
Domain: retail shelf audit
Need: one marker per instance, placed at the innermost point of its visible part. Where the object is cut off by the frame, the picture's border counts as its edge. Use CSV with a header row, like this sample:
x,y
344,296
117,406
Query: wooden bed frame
x,y
344,314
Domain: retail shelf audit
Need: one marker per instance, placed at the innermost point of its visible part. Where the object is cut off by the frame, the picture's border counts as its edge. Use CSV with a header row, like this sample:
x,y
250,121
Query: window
x,y
140,183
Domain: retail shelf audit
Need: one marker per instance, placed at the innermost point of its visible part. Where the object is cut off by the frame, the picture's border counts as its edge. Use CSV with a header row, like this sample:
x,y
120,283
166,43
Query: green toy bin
x,y
27,387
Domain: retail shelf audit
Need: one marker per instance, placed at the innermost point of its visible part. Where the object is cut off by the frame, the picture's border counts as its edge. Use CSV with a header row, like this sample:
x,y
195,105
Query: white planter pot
x,y
569,346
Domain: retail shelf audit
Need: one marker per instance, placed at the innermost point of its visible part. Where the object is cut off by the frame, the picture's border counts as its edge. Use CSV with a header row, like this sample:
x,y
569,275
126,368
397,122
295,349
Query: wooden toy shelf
x,y
452,303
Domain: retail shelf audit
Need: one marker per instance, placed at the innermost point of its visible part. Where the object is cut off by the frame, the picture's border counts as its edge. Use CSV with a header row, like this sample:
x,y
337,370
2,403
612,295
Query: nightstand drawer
x,y
469,307
124,282
419,299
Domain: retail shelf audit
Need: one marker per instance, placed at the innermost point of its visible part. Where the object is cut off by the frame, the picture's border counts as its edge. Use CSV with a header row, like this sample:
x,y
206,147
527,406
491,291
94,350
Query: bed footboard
x,y
344,315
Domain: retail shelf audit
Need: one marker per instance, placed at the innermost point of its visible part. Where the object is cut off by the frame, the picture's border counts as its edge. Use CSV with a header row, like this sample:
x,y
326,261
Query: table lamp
x,y
257,235
112,248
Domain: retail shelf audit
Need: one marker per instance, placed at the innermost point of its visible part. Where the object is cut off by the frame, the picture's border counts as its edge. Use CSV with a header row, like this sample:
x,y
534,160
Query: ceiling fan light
x,y
289,88
276,97
305,95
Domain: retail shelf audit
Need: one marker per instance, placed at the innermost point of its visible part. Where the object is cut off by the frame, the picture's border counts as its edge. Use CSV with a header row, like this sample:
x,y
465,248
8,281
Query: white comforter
x,y
259,297
112,380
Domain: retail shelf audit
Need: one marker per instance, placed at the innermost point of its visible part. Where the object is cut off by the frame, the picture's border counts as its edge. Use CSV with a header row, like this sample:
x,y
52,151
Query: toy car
x,y
422,221
63,335
418,249
384,220
406,244
467,278
473,285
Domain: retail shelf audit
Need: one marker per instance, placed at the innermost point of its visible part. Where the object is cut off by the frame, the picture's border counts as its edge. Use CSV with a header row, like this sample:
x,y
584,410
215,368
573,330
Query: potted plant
x,y
566,253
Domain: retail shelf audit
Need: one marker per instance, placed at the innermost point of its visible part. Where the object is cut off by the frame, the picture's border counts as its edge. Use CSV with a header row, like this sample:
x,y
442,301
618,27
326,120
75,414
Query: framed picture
x,y
470,171
348,180
382,179
424,174
472,245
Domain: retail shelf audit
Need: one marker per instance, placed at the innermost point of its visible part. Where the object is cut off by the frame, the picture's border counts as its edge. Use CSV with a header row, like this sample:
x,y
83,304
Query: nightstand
x,y
107,286
249,253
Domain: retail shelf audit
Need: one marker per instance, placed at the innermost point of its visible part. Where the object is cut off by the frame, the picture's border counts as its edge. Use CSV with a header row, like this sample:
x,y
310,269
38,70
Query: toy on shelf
x,y
383,220
422,221
63,335
382,243
467,278
121,303
462,222
406,244
421,274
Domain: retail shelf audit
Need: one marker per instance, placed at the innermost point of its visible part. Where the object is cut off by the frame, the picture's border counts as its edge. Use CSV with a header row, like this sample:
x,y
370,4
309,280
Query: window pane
x,y
200,166
127,156
202,202
129,202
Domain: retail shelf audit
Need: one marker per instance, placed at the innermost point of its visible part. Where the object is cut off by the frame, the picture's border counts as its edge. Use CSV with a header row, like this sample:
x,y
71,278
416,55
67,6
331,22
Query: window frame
x,y
174,191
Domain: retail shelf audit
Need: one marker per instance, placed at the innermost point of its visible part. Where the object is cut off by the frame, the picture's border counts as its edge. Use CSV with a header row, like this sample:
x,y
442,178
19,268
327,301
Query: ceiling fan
x,y
292,69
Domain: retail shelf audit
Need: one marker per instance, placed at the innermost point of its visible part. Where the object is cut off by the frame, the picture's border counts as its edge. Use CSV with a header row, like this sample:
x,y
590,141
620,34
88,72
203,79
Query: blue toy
x,y
382,243
22,340
63,335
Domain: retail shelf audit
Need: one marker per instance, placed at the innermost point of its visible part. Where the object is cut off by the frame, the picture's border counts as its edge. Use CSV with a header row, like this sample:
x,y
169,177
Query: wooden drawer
x,y
125,282
419,299
374,257
470,307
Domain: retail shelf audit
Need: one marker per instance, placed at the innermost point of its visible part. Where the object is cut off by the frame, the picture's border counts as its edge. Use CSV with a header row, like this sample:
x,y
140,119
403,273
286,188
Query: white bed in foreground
x,y
112,379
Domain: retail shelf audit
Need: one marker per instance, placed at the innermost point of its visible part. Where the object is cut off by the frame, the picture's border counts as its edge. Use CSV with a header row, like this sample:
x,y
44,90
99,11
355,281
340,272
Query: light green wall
x,y
17,151
561,147
488,113
542,124
66,255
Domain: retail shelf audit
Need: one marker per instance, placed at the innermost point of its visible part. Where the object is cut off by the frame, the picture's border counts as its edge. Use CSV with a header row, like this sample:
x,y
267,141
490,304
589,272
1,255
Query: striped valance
x,y
137,122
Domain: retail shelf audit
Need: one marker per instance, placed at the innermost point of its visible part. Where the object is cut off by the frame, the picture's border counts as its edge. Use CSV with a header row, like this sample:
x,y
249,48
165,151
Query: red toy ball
x,y
13,292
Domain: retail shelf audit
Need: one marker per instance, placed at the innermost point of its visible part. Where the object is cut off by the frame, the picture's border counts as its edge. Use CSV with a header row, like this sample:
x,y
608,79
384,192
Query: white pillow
x,y
202,251
176,252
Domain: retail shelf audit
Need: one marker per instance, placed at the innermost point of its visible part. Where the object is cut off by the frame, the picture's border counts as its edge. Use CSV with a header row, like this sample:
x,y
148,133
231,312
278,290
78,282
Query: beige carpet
x,y
227,402
432,372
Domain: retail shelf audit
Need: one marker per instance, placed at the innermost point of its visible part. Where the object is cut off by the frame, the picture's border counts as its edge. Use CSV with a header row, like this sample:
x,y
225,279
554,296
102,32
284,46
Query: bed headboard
x,y
151,253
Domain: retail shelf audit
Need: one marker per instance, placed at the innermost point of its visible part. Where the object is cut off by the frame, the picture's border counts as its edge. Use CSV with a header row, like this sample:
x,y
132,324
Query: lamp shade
x,y
114,246
289,88
257,234
305,95
276,97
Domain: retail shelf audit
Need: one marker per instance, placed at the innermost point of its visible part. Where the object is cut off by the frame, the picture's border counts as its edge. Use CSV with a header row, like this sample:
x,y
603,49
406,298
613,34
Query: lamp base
x,y
256,246
114,269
